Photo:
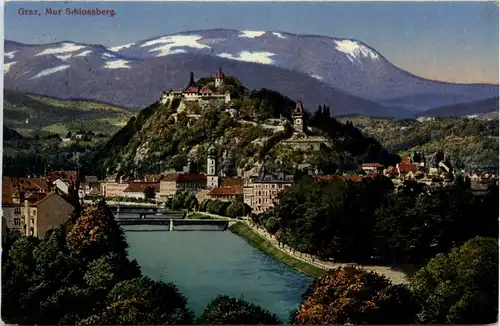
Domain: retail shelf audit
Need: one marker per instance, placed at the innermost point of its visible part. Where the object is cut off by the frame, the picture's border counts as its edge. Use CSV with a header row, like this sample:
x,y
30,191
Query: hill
x,y
244,135
468,142
464,109
315,69
30,114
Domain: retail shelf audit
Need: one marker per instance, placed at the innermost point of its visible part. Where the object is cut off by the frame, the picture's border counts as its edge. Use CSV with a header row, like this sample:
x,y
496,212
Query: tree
x,y
225,310
460,287
96,233
351,295
142,301
149,192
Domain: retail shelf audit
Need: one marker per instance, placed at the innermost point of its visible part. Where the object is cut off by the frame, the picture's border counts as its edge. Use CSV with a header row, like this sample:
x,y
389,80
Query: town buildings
x,y
31,206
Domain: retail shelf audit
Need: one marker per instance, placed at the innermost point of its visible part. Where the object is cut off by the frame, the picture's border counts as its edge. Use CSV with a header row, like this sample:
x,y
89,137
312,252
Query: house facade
x,y
47,213
265,189
15,191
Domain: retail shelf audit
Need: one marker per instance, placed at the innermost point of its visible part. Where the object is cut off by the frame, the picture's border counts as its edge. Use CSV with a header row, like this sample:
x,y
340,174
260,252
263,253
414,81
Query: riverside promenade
x,y
396,277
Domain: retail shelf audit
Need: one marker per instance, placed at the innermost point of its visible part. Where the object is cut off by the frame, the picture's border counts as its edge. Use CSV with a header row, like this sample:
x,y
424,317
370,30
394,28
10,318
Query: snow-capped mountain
x,y
346,64
317,63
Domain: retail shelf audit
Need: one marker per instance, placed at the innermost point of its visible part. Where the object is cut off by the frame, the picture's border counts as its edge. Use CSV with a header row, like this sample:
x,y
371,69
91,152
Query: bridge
x,y
178,224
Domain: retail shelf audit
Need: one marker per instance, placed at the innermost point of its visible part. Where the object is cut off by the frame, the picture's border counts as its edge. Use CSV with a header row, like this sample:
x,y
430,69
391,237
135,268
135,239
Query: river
x,y
204,264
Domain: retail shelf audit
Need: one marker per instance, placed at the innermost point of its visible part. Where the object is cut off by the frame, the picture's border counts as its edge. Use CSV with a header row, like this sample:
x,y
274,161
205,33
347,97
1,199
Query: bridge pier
x,y
171,225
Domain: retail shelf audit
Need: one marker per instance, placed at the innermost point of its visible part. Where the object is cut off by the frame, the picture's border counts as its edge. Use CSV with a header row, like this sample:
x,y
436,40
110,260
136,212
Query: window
x,y
17,221
17,210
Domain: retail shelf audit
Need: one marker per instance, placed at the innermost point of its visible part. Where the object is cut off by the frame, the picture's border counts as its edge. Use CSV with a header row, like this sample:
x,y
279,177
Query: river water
x,y
204,264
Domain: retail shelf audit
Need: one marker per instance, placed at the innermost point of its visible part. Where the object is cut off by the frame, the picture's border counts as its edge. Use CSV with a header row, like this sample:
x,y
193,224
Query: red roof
x,y
405,168
206,90
185,178
171,177
192,90
219,75
67,176
299,109
232,182
142,186
226,191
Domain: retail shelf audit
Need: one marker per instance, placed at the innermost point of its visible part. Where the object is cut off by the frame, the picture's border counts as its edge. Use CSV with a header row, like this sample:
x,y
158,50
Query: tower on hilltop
x,y
219,79
212,177
298,117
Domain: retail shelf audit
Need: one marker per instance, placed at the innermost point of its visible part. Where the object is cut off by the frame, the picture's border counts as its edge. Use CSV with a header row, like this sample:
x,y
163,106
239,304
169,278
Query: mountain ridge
x,y
344,64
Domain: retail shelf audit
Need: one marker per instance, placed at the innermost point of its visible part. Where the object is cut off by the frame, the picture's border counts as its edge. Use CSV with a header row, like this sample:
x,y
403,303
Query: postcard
x,y
230,163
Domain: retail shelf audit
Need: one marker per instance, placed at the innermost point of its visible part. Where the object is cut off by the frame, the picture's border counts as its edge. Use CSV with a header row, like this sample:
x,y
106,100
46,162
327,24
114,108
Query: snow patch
x,y
6,66
317,77
259,57
84,53
118,48
10,54
63,57
63,48
354,50
117,64
279,35
251,34
107,55
50,71
175,41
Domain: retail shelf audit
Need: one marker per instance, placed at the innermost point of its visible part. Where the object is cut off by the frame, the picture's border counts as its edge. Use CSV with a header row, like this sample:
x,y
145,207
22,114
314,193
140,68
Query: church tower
x,y
298,117
212,177
219,79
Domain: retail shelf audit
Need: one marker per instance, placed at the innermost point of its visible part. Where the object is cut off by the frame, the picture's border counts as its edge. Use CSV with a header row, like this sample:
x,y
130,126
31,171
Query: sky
x,y
448,41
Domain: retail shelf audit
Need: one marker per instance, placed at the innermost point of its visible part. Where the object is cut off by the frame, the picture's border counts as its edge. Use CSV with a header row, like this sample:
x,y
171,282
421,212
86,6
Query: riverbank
x,y
396,275
244,231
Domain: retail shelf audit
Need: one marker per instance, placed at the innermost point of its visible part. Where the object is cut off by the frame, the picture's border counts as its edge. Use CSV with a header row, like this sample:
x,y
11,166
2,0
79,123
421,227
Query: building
x,y
372,167
138,190
265,188
62,185
114,186
44,214
91,186
15,191
194,93
231,188
171,183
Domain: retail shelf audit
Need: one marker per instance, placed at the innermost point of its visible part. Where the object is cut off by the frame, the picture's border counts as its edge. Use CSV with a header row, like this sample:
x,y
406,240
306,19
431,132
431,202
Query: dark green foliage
x,y
182,200
80,274
225,310
274,140
142,301
365,221
460,287
416,224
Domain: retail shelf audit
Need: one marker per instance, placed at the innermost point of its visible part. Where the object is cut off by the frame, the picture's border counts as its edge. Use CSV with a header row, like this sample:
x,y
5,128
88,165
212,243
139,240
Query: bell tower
x,y
212,177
